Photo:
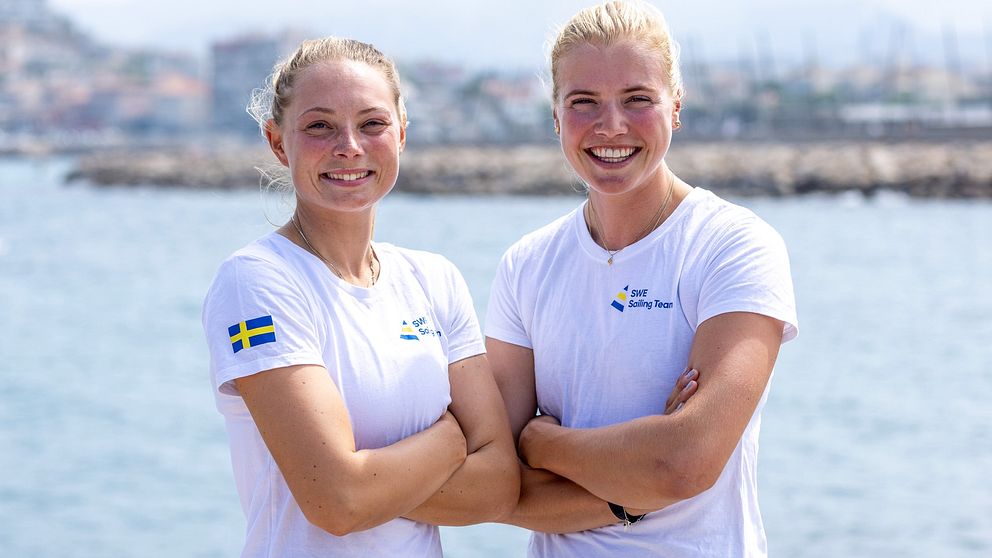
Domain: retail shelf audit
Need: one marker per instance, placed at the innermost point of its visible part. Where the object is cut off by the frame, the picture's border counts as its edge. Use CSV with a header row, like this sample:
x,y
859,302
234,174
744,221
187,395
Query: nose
x,y
347,145
611,121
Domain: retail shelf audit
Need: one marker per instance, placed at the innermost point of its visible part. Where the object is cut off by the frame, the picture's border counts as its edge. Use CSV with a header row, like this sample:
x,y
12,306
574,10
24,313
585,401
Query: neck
x,y
342,240
617,221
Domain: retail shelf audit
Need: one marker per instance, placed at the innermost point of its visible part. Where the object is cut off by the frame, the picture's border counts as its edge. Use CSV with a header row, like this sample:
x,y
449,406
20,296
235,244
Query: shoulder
x,y
259,264
412,256
438,279
737,263
714,223
434,272
536,245
420,261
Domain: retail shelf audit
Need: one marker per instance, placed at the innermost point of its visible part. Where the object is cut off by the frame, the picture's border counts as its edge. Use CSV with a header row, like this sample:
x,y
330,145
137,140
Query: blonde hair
x,y
271,101
615,21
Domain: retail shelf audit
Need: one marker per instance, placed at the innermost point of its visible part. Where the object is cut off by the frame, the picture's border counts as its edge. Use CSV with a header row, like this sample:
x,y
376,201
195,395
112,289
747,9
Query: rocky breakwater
x,y
946,170
225,169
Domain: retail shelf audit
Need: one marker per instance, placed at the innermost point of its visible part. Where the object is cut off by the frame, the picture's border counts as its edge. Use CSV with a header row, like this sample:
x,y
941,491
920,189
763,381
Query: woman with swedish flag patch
x,y
649,283
360,407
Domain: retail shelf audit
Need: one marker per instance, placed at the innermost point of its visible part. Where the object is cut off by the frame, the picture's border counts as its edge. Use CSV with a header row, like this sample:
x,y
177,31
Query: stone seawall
x,y
946,170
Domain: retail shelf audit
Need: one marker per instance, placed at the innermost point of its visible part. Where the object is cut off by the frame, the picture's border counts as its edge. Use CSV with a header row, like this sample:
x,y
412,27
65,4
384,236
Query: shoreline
x,y
926,170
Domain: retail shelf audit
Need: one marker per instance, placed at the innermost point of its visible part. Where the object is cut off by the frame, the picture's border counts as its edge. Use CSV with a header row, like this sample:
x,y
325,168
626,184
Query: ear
x,y
403,126
554,116
676,109
274,135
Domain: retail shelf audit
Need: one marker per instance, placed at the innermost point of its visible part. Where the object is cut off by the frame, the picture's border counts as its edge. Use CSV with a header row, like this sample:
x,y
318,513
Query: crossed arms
x,y
460,470
647,463
463,470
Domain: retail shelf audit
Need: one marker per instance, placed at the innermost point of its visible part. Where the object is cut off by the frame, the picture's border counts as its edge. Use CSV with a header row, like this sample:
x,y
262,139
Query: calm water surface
x,y
876,440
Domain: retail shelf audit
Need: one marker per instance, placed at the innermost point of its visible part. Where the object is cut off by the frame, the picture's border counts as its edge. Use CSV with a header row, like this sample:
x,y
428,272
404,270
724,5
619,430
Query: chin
x,y
610,185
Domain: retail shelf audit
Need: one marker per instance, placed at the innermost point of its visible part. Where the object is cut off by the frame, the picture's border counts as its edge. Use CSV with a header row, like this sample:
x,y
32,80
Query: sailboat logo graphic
x,y
406,332
621,298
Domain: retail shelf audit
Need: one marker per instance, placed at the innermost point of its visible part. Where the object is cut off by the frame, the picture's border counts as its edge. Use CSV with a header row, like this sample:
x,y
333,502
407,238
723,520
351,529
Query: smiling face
x,y
615,112
340,136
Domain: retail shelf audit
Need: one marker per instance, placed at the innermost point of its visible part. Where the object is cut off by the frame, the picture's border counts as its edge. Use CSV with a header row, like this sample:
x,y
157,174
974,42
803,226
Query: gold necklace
x,y
372,256
652,225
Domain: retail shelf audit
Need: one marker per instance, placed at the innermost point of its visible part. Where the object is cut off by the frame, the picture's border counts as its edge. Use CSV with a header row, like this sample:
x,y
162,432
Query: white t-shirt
x,y
387,349
610,341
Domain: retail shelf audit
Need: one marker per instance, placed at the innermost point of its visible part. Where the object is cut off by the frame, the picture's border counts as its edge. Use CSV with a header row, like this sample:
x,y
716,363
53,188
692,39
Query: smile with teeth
x,y
612,154
347,177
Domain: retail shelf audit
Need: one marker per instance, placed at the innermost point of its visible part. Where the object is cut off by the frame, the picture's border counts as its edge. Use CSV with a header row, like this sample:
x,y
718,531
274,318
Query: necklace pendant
x,y
609,261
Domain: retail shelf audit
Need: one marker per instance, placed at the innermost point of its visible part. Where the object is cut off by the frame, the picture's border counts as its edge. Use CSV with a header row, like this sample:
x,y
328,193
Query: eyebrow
x,y
579,92
640,88
593,93
326,110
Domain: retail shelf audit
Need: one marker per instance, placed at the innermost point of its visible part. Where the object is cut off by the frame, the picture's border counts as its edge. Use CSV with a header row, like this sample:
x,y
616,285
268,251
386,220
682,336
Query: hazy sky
x,y
512,32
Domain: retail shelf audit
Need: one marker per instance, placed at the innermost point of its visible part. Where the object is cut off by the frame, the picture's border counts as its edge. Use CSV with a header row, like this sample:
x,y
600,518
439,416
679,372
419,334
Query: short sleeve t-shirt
x,y
387,348
609,342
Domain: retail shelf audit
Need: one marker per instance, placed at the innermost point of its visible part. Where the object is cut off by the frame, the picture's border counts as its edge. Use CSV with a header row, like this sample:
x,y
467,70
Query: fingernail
x,y
688,373
679,407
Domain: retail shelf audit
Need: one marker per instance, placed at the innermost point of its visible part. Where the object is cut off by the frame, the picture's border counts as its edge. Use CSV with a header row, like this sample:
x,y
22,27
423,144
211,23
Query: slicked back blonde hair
x,y
616,21
271,102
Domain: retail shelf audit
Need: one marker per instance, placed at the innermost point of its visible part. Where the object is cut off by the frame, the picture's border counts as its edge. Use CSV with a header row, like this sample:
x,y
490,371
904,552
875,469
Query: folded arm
x,y
550,503
303,420
653,461
486,486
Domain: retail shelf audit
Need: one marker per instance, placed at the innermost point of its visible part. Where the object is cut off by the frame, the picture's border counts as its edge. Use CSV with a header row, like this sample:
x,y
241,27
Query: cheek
x,y
385,146
306,147
650,118
577,121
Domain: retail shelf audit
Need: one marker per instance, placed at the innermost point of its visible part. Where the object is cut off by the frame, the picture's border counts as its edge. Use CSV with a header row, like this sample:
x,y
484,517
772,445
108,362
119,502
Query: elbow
x,y
337,528
343,517
501,497
693,483
505,501
510,482
334,524
497,472
686,478
498,499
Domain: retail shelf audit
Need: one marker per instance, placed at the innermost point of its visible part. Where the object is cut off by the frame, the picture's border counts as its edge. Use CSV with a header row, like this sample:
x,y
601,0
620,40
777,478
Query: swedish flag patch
x,y
250,333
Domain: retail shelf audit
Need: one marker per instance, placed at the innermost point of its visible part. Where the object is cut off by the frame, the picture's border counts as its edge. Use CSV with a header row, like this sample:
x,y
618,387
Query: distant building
x,y
38,49
24,12
56,81
448,105
239,66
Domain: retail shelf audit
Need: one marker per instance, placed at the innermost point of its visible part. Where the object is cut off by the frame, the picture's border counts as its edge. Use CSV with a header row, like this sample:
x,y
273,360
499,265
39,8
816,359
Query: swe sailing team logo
x,y
637,298
417,329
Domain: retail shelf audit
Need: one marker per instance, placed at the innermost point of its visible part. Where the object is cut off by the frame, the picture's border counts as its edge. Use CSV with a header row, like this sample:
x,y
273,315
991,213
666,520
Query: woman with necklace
x,y
360,407
650,283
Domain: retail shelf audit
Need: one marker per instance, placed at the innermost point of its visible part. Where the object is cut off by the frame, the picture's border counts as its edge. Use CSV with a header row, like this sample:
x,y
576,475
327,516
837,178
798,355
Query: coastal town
x,y
754,124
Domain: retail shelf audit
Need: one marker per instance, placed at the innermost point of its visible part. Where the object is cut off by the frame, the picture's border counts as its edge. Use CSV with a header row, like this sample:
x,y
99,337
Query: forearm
x,y
387,482
553,504
487,484
653,461
484,488
619,463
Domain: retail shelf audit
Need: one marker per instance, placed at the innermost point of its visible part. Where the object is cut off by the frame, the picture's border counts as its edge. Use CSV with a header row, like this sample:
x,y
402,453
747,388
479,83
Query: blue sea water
x,y
877,437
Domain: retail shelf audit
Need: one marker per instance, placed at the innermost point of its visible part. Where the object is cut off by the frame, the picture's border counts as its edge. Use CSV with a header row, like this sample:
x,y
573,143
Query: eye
x,y
375,125
640,100
582,103
317,126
